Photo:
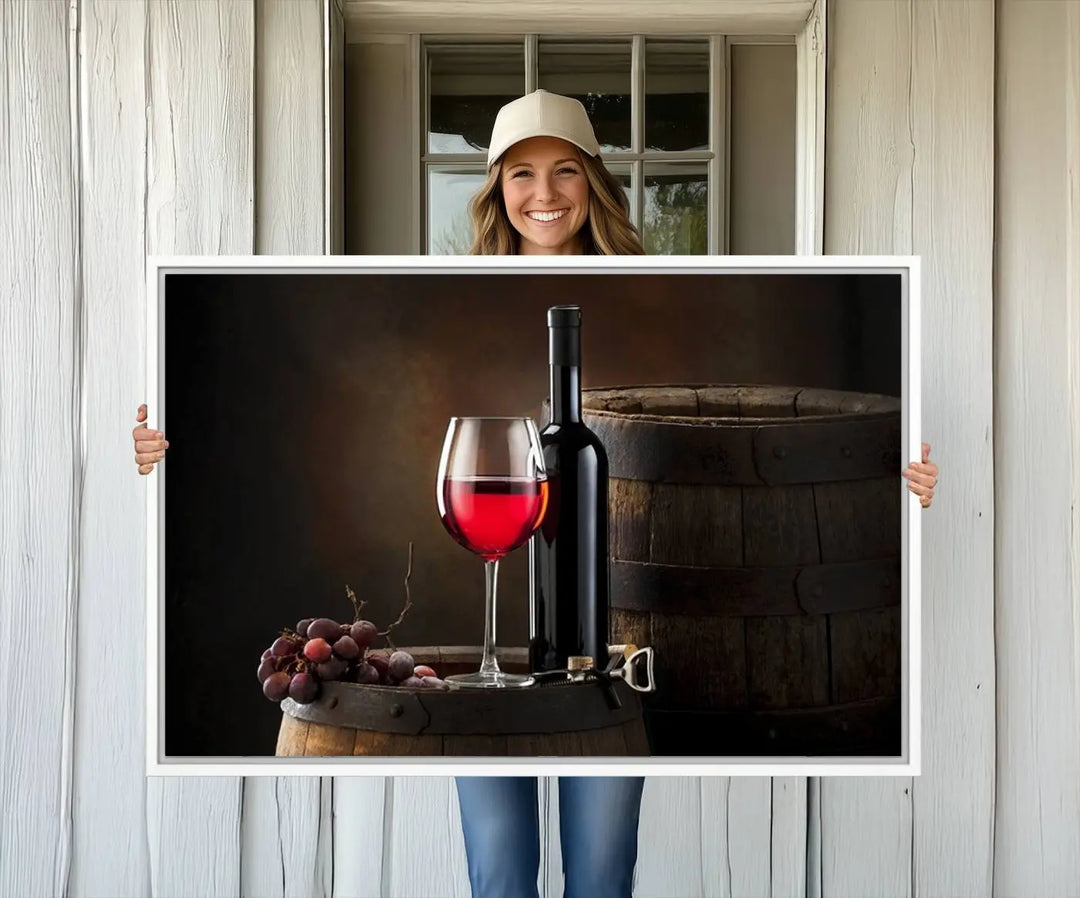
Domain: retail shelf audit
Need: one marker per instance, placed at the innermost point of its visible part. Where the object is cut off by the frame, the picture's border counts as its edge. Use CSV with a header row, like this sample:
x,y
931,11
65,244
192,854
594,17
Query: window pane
x,y
676,95
676,210
597,74
449,227
466,87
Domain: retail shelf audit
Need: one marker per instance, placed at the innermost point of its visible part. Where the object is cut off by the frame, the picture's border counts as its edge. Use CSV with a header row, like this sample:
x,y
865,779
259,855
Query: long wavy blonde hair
x,y
607,230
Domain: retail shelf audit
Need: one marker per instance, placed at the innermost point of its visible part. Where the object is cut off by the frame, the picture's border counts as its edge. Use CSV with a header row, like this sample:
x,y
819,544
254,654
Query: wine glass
x,y
492,493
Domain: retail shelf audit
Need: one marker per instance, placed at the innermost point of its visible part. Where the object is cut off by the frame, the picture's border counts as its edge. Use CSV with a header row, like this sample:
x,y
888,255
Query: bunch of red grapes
x,y
320,650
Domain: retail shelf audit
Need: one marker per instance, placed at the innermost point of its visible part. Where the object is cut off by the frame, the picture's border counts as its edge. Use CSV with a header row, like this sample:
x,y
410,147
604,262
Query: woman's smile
x,y
548,217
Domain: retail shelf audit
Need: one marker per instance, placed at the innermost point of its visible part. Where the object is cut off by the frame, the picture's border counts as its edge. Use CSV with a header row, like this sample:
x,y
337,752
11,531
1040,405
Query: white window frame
x,y
637,156
724,21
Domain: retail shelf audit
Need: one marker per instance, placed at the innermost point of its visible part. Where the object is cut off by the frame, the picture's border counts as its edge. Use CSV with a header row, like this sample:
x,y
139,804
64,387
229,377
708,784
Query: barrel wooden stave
x,y
779,526
630,514
788,661
298,738
767,401
851,522
669,401
695,525
373,743
866,653
717,402
700,662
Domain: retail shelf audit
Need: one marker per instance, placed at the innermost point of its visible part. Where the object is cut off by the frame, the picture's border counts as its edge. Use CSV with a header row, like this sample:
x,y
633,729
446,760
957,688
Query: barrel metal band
x,y
539,710
749,452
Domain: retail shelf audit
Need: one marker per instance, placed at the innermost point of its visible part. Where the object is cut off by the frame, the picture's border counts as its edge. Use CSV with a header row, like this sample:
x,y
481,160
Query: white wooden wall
x,y
185,127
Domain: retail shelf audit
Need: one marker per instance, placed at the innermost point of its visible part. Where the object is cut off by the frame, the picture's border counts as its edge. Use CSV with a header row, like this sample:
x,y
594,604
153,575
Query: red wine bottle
x,y
569,553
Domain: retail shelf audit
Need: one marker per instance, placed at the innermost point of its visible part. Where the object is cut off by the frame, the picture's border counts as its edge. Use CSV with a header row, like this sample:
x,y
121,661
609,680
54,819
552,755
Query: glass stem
x,y
491,577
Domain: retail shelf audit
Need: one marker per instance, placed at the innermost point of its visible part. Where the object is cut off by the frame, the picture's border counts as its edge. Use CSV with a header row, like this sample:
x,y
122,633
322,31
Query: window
x,y
658,107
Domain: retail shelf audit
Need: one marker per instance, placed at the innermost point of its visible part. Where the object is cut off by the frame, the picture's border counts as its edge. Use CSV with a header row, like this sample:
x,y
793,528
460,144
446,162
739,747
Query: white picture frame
x,y
907,764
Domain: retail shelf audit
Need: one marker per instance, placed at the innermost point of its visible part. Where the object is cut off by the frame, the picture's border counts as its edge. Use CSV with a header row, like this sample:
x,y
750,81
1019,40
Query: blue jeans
x,y
598,822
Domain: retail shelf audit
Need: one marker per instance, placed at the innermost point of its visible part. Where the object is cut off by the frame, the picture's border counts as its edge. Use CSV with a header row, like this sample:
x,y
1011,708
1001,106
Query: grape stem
x,y
408,602
290,664
357,605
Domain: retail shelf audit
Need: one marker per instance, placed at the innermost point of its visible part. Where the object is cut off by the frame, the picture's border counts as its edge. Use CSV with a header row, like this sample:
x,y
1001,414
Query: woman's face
x,y
546,195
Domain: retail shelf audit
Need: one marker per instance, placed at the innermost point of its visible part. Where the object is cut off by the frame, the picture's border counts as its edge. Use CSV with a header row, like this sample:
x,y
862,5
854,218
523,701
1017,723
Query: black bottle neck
x,y
564,356
565,394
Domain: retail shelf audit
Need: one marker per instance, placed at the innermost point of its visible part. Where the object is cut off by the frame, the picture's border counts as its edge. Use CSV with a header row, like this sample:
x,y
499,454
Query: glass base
x,y
496,679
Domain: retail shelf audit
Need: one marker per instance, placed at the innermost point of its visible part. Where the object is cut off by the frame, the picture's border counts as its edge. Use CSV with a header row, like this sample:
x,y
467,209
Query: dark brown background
x,y
306,413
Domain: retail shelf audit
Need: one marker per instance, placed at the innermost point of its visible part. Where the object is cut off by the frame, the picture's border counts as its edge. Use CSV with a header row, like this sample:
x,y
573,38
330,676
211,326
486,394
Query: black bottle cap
x,y
564,335
564,316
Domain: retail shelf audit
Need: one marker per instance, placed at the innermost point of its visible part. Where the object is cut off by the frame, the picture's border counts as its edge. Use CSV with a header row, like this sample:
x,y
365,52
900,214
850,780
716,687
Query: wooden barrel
x,y
570,720
755,541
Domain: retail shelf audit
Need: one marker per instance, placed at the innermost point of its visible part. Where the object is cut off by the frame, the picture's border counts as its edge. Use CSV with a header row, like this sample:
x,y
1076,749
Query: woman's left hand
x,y
922,477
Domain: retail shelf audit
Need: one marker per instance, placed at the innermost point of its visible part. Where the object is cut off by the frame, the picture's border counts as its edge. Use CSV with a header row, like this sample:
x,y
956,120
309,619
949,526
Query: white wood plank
x,y
40,448
289,127
813,837
1037,837
280,838
260,844
866,837
200,190
1072,289
671,847
868,149
952,115
193,830
715,844
361,817
749,814
557,16
110,785
735,843
789,821
282,833
426,850
866,830
324,860
200,201
550,879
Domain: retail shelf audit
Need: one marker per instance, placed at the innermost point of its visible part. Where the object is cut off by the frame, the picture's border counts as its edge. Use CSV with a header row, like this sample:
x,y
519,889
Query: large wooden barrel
x,y
570,720
755,540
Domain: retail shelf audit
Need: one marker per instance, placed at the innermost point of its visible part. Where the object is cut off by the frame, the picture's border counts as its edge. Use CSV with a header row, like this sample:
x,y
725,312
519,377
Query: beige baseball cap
x,y
541,114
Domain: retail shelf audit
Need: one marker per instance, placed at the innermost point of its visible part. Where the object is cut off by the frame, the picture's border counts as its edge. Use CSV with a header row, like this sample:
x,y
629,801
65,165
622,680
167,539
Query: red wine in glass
x,y
491,493
492,516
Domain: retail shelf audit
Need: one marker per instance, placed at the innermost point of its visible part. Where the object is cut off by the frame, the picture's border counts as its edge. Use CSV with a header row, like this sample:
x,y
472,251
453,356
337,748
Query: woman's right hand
x,y
150,445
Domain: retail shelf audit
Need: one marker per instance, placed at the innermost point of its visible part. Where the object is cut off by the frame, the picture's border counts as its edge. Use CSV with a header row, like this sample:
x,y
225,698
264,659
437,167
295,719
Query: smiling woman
x,y
547,191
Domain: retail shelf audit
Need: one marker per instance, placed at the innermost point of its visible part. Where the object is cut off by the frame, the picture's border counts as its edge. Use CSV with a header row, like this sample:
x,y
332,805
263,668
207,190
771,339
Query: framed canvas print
x,y
361,509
